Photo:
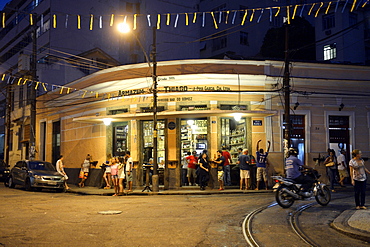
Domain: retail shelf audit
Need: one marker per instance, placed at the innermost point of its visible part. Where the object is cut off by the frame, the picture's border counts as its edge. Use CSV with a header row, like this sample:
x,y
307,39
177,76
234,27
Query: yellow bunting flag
x,y
288,14
214,20
43,85
68,90
194,17
78,22
327,9
54,21
365,3
294,11
3,77
83,96
19,81
227,16
37,85
353,5
91,22
277,12
159,21
25,80
111,20
318,10
244,17
186,19
168,19
61,90
96,95
4,20
252,16
31,20
135,16
309,12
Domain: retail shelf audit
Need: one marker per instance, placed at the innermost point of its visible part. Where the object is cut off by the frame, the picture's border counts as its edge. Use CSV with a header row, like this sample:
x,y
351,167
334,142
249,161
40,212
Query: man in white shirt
x,y
342,168
129,166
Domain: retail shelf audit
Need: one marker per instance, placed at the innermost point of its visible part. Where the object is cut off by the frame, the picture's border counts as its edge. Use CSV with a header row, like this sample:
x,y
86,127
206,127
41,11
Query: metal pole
x,y
32,148
155,179
286,89
8,122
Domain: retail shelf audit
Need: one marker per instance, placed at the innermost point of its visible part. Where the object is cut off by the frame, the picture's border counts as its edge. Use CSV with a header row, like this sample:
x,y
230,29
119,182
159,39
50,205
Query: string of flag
x,y
217,17
46,87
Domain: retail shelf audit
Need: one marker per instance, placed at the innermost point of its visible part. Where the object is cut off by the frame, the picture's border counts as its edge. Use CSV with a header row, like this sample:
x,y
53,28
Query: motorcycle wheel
x,y
323,196
284,199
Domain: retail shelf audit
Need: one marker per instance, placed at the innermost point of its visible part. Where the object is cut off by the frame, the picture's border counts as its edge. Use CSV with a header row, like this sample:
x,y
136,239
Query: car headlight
x,y
6,171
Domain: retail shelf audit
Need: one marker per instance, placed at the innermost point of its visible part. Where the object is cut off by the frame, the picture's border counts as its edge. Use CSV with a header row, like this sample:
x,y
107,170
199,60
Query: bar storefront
x,y
207,110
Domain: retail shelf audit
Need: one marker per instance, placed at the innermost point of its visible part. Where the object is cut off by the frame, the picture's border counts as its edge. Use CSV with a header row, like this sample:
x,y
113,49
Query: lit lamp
x,y
237,116
107,121
125,28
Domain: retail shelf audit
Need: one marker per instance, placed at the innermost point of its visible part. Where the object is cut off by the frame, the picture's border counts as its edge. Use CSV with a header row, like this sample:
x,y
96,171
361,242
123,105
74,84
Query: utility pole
x,y
286,90
32,145
7,121
155,178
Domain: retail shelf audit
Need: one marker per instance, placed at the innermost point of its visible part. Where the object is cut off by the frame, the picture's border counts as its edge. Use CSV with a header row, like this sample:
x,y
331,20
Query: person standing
x,y
331,168
262,164
84,172
220,160
60,170
184,171
121,174
129,166
204,170
227,171
342,168
114,173
358,177
191,168
243,162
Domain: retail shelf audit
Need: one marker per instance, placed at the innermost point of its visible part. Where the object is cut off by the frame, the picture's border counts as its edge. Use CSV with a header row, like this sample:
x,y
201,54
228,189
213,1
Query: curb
x,y
341,224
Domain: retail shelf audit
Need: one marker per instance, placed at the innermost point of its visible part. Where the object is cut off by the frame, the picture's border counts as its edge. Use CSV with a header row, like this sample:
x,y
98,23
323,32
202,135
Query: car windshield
x,y
41,165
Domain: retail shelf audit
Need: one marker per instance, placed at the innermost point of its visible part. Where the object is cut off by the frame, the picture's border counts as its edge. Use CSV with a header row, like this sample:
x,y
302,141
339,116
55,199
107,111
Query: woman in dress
x,y
60,170
358,177
204,171
114,173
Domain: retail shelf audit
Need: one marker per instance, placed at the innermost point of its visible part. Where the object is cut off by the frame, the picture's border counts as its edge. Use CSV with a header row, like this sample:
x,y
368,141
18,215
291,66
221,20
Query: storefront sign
x,y
171,125
257,122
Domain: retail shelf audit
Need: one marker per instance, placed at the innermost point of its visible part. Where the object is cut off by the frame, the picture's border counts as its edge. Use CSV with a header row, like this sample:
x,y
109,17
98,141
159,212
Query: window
x,y
219,41
330,51
244,38
219,12
328,21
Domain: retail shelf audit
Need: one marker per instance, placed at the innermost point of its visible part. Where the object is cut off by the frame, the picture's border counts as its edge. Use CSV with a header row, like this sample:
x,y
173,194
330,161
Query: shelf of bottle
x,y
242,134
235,144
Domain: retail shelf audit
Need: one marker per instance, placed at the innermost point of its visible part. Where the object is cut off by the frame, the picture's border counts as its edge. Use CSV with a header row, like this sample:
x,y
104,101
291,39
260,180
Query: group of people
x,y
117,171
357,172
196,169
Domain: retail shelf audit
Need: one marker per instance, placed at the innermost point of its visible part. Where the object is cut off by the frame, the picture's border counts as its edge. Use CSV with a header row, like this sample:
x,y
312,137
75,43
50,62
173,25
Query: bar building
x,y
197,102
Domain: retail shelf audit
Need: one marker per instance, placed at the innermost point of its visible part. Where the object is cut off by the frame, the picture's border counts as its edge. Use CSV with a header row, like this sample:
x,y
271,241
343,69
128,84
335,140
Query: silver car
x,y
35,174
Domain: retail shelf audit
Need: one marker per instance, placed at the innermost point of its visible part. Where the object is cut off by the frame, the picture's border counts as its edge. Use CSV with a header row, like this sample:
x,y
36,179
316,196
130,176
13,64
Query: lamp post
x,y
124,28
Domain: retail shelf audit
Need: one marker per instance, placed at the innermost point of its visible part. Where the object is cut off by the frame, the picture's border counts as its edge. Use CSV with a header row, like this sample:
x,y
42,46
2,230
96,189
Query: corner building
x,y
197,101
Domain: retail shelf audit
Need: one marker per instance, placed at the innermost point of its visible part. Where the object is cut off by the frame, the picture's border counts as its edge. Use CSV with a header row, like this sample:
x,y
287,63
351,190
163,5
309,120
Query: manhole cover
x,y
110,212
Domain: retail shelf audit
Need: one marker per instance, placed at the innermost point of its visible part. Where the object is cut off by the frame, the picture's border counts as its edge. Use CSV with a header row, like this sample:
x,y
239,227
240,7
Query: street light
x,y
125,28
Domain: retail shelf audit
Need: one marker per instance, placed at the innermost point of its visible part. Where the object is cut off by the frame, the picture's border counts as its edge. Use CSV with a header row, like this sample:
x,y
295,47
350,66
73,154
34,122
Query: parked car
x,y
35,174
4,171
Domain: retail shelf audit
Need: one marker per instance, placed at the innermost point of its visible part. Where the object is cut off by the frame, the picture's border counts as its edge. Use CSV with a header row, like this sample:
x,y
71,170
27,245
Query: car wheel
x,y
10,182
27,184
6,182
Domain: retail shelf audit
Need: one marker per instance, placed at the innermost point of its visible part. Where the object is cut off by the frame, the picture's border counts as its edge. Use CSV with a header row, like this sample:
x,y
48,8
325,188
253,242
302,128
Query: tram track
x,y
293,221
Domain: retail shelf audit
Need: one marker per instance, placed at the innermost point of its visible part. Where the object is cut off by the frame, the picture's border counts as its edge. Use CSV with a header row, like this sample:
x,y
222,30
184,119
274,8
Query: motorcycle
x,y
287,190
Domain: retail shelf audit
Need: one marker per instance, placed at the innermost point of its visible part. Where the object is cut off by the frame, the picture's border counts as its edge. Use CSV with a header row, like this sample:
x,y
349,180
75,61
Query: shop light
x,y
190,122
237,116
107,121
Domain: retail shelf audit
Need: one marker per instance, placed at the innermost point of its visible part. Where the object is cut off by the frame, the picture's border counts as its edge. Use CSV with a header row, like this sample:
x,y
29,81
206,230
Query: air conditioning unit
x,y
24,63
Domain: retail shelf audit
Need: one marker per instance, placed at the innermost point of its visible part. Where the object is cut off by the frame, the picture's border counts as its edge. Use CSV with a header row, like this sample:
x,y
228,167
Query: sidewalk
x,y
354,223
